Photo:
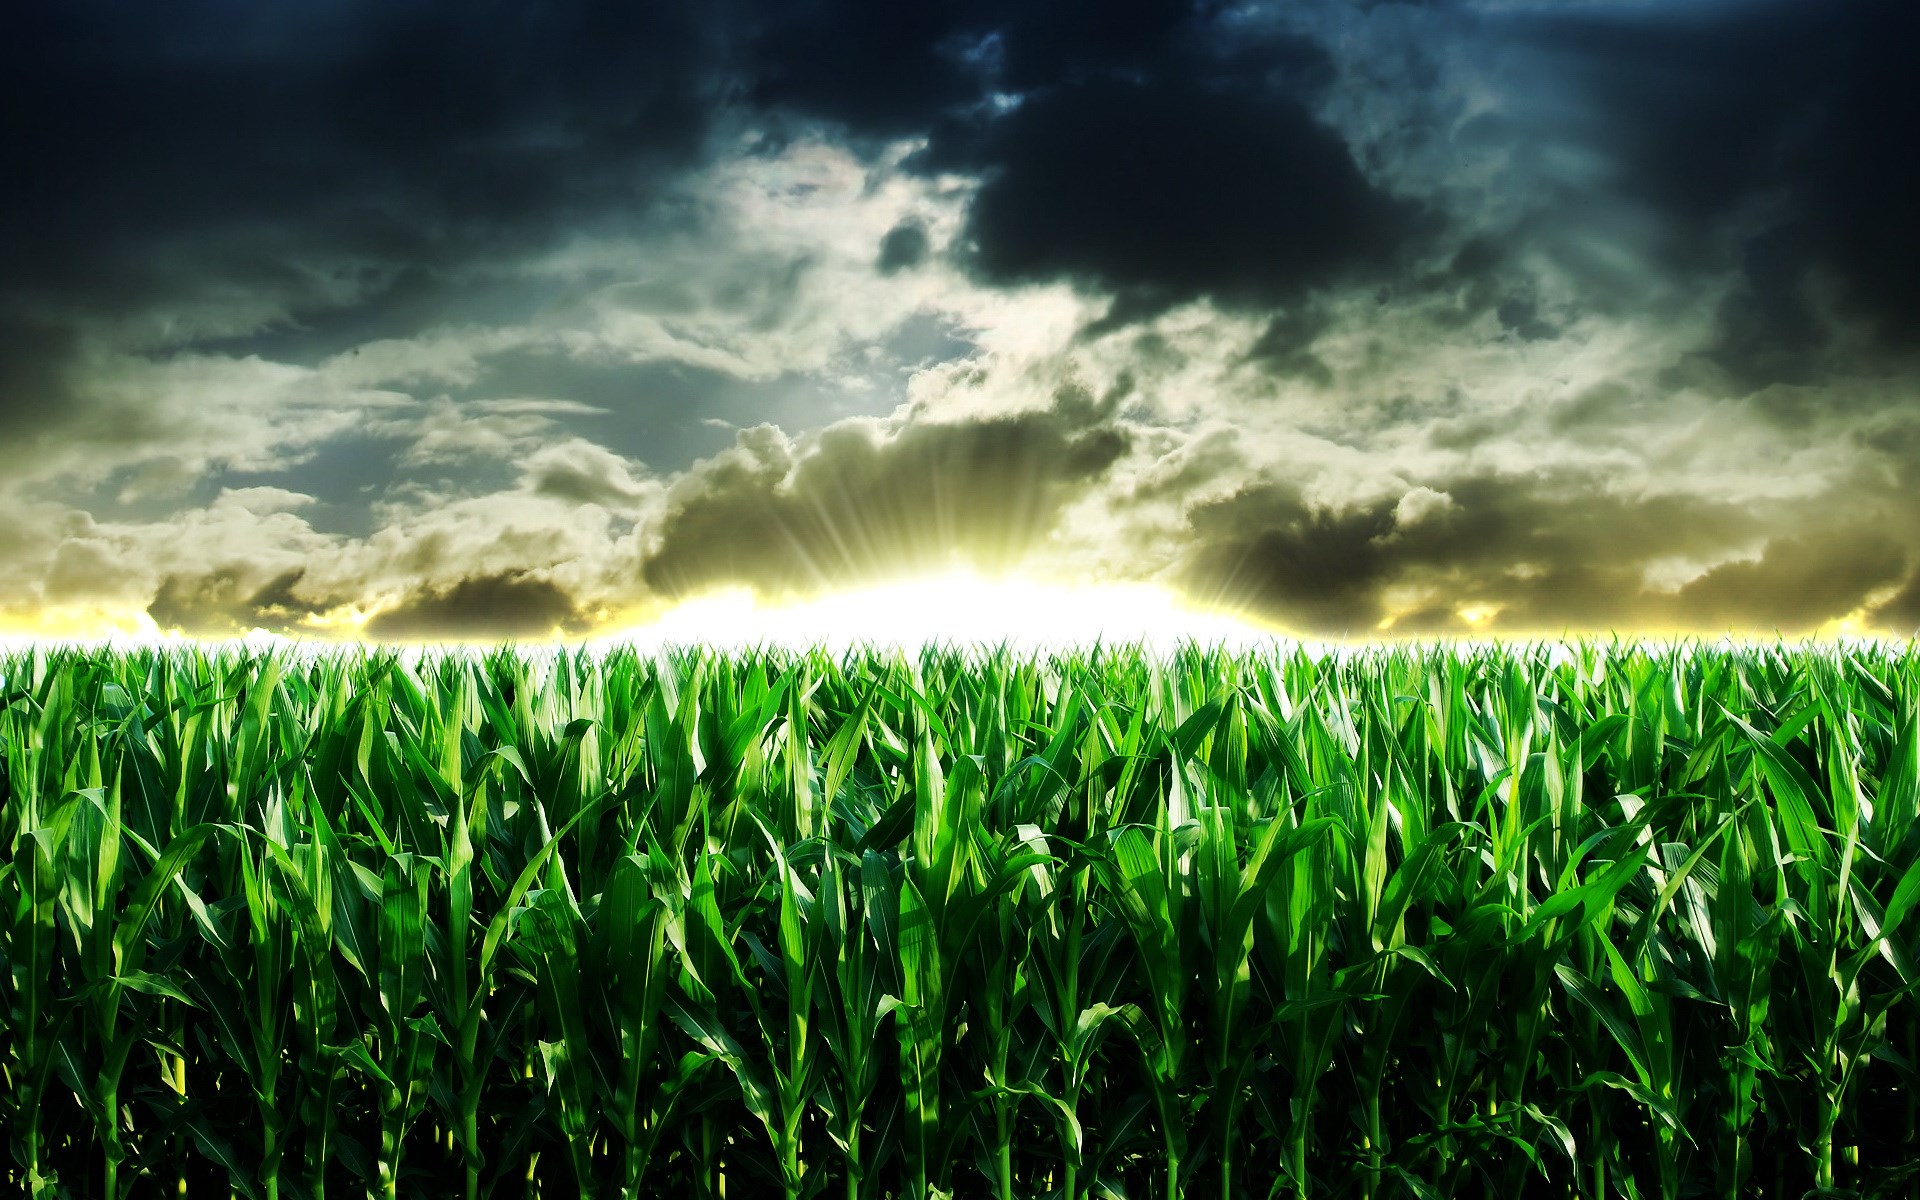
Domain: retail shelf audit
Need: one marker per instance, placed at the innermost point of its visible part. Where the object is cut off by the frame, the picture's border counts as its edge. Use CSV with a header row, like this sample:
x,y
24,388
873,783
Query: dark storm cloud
x,y
855,508
886,70
512,604
295,180
882,69
36,362
319,157
408,133
1799,581
1789,125
1551,554
216,169
1900,613
1136,148
1310,569
1169,190
340,164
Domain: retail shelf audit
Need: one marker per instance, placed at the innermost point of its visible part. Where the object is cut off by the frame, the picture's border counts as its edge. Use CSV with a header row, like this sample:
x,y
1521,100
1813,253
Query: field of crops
x,y
1538,921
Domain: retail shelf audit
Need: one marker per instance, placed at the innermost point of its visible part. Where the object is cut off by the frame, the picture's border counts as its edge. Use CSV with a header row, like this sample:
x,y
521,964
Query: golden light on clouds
x,y
960,609
80,624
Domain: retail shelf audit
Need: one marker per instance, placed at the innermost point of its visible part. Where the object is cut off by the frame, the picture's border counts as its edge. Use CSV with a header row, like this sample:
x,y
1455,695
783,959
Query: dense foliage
x,y
1582,920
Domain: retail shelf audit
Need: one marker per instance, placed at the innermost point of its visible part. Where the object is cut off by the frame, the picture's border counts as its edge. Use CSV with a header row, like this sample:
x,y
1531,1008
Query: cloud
x,y
138,423
1285,348
36,358
344,171
1533,554
315,149
1419,505
1416,317
580,472
222,603
1797,582
1311,569
862,502
1163,191
507,605
505,563
1148,149
1773,139
883,71
904,247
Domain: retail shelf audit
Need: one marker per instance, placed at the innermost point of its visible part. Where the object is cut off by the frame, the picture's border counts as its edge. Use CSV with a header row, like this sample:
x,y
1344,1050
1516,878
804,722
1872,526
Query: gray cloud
x,y
1798,582
580,472
1533,554
509,605
904,247
222,603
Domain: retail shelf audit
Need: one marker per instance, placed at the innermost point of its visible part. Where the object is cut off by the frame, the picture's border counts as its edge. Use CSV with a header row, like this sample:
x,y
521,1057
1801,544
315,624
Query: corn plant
x,y
1595,919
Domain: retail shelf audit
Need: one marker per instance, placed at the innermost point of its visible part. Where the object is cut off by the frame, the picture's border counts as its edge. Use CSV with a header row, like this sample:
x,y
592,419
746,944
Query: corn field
x,y
1583,920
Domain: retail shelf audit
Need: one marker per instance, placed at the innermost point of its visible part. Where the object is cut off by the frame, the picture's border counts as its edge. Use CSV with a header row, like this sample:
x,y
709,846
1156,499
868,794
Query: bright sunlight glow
x,y
961,610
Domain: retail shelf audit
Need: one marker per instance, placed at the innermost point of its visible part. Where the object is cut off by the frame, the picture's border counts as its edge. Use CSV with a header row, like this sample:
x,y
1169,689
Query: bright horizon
x,y
963,610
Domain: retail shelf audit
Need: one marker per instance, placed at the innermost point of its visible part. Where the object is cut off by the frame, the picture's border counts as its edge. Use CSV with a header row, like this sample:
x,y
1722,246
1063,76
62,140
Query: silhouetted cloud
x,y
1530,554
485,607
860,504
221,603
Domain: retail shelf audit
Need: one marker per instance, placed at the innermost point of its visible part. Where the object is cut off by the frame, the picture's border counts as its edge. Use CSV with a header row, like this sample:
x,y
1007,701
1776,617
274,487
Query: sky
x,y
406,319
